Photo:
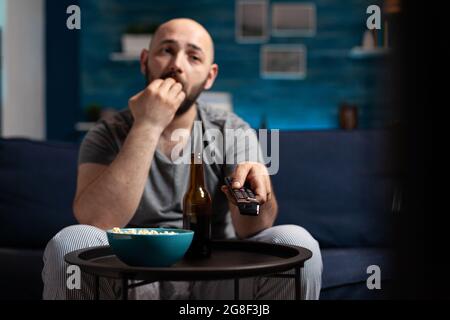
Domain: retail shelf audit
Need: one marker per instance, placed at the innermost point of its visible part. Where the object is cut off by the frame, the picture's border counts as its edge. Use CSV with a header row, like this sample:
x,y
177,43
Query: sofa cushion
x,y
338,185
349,266
37,186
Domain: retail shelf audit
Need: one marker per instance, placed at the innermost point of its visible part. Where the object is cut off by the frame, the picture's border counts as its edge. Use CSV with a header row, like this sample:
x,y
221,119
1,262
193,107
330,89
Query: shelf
x,y
84,126
361,53
124,56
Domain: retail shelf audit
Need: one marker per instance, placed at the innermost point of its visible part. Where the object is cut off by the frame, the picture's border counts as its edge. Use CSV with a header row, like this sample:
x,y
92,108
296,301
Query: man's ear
x,y
144,60
212,75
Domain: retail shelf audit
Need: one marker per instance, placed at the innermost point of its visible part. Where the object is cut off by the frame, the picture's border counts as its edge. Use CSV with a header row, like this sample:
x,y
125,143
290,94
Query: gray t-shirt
x,y
161,202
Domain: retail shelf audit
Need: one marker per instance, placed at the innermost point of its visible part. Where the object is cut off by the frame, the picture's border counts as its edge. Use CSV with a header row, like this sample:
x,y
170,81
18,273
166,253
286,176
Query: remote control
x,y
245,198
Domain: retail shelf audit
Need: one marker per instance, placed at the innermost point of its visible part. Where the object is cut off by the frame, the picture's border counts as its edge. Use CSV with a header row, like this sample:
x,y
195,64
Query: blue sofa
x,y
338,185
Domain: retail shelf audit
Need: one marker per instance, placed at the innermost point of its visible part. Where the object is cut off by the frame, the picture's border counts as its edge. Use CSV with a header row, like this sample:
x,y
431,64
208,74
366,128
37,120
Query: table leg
x,y
124,289
298,282
236,289
96,288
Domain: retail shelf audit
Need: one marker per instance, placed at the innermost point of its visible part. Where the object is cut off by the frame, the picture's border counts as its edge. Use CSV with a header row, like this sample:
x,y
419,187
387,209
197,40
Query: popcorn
x,y
141,231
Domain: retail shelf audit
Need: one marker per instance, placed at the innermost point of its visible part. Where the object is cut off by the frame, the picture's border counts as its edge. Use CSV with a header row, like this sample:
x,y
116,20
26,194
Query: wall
x,y
23,111
63,72
300,104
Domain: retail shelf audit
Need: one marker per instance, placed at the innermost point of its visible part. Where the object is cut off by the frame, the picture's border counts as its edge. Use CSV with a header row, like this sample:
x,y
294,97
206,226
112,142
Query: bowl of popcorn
x,y
149,247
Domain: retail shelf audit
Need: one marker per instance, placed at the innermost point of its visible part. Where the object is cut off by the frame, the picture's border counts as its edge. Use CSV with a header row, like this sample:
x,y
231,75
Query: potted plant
x,y
93,112
137,37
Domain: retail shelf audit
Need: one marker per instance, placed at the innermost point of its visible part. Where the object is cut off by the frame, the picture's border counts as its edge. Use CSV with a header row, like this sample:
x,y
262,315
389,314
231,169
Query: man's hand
x,y
157,104
257,176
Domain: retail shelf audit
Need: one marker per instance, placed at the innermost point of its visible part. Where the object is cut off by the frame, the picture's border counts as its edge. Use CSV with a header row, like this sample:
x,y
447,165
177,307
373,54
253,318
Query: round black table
x,y
230,259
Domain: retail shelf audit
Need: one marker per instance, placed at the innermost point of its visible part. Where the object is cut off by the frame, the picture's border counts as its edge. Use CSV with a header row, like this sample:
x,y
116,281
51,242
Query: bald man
x,y
127,177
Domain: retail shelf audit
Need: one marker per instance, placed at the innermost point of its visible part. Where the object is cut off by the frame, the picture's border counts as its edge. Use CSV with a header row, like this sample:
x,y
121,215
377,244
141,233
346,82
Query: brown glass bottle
x,y
197,210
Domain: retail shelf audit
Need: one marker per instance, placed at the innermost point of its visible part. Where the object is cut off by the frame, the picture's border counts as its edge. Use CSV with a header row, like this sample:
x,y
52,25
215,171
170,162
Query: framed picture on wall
x,y
252,21
293,19
283,62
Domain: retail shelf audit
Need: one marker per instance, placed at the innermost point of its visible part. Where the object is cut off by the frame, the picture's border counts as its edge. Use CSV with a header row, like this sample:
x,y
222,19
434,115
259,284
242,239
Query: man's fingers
x,y
154,85
259,187
180,96
167,84
258,178
269,196
176,88
240,174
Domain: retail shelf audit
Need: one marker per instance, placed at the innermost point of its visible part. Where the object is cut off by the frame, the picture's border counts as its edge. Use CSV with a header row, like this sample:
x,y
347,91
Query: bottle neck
x,y
197,178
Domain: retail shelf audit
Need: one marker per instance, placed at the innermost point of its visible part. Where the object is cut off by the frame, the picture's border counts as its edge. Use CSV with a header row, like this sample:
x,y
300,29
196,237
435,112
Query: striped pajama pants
x,y
55,273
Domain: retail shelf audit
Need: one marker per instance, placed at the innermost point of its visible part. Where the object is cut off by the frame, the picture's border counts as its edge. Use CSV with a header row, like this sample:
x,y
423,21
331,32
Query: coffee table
x,y
230,259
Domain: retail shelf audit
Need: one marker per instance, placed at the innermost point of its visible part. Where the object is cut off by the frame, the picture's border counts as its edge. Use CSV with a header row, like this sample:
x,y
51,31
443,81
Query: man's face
x,y
182,52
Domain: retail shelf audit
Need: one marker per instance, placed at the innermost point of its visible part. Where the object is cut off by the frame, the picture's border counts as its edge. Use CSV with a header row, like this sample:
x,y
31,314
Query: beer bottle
x,y
197,211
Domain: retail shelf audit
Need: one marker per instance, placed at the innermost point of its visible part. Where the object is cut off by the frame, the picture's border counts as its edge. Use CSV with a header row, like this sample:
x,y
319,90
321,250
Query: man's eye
x,y
195,58
167,50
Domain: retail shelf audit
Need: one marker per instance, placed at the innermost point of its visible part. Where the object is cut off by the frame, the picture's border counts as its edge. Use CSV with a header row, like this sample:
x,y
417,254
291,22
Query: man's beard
x,y
189,100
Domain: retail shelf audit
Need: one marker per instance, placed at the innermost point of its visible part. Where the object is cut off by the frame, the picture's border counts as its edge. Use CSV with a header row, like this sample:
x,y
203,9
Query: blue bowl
x,y
150,250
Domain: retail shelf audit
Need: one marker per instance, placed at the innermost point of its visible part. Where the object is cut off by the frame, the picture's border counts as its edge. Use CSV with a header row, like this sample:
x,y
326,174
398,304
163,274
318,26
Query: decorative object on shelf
x,y
391,6
369,40
251,21
287,62
293,19
369,47
391,9
348,116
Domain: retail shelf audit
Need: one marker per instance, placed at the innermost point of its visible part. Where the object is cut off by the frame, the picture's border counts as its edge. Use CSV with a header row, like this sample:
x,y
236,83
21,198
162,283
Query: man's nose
x,y
177,64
